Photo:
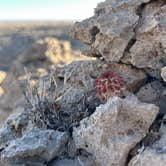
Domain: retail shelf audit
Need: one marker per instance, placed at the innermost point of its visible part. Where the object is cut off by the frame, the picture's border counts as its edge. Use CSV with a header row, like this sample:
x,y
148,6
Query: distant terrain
x,y
15,37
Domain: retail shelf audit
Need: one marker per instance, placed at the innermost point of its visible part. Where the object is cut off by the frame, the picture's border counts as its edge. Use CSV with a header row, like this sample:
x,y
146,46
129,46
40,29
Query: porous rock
x,y
75,82
163,73
129,31
77,161
114,129
37,145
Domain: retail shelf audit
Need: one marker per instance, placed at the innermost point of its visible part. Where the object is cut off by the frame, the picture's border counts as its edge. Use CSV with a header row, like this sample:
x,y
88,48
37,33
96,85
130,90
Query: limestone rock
x,y
154,155
163,73
37,145
75,85
2,76
148,49
154,92
78,161
51,50
129,31
114,129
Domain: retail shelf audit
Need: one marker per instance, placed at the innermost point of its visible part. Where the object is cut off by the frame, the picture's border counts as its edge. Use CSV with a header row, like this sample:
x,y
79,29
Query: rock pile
x,y
69,123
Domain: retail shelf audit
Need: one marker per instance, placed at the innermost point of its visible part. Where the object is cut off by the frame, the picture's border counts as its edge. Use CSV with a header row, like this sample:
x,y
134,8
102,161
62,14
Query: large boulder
x,y
37,145
128,31
114,129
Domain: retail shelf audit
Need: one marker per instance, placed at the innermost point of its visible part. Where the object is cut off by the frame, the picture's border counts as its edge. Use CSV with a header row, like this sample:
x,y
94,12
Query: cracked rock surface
x,y
138,27
154,155
114,129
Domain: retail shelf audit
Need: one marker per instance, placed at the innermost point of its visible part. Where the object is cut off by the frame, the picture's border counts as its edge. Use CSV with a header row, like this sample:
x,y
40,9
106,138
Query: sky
x,y
46,9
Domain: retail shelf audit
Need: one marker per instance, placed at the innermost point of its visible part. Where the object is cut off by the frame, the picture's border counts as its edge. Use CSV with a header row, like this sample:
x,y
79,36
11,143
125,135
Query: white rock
x,y
114,129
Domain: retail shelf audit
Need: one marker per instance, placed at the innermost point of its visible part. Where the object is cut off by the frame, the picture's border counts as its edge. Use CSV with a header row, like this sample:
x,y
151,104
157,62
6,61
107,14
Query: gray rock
x,y
148,50
163,73
154,155
78,161
131,31
114,129
37,145
76,90
154,92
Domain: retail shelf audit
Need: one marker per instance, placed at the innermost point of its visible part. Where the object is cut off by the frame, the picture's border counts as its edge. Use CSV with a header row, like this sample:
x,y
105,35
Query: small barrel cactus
x,y
109,84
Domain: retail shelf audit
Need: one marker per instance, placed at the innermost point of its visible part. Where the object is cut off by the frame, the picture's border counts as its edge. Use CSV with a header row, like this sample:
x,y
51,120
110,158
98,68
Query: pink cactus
x,y
109,84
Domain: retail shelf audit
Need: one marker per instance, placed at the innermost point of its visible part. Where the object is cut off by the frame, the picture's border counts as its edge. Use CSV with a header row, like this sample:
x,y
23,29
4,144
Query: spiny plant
x,y
109,84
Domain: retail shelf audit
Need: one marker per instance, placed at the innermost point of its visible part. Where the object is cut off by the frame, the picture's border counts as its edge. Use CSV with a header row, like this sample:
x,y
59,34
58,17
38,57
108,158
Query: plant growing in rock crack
x,y
109,84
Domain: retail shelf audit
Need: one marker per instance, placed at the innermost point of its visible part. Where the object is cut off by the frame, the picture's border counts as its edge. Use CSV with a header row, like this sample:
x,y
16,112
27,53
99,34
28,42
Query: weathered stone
x,y
78,161
114,129
37,145
148,50
154,155
128,31
163,73
2,76
154,92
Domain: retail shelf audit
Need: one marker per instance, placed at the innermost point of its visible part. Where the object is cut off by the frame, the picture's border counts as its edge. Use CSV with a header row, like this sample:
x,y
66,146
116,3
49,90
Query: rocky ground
x,y
107,111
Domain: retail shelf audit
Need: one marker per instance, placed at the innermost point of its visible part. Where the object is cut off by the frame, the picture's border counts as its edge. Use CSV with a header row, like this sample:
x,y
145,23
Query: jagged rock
x,y
128,31
1,91
148,158
37,145
114,129
154,155
76,90
163,73
154,92
78,161
2,77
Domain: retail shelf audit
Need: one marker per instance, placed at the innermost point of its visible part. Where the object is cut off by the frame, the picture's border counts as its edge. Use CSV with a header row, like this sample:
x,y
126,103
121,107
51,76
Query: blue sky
x,y
46,9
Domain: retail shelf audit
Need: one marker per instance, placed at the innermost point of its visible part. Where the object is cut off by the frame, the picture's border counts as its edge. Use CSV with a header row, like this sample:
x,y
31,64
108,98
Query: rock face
x,y
121,31
76,90
114,129
154,155
38,61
